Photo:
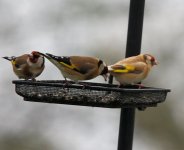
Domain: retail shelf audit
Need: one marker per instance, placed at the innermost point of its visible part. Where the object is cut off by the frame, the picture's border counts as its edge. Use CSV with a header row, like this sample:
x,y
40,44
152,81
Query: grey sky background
x,y
95,28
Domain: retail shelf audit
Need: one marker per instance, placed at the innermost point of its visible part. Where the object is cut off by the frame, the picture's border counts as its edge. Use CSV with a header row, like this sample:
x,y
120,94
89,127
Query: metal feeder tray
x,y
92,94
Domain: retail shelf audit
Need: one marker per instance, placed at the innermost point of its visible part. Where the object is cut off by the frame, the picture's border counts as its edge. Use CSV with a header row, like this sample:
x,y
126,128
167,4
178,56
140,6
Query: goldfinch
x,y
27,66
78,68
132,70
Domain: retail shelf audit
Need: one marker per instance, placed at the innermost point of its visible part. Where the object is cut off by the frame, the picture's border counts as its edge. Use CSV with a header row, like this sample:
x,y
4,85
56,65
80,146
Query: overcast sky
x,y
83,27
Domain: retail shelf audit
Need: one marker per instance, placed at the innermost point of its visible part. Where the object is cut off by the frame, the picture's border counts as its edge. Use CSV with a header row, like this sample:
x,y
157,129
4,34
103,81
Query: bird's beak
x,y
155,63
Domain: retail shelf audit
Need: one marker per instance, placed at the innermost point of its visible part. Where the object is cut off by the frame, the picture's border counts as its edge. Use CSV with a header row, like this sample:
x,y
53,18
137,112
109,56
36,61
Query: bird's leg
x,y
33,79
66,83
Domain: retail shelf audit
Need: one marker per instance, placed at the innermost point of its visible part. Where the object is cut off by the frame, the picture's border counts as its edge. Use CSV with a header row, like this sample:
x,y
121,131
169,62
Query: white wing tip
x,y
110,68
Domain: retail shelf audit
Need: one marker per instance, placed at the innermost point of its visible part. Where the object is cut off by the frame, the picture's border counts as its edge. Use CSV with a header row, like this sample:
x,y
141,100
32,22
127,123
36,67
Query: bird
x,y
27,66
132,70
78,68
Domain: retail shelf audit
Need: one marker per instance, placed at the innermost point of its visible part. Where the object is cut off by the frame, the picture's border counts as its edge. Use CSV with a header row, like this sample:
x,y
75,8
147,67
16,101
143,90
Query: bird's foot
x,y
66,84
140,86
84,85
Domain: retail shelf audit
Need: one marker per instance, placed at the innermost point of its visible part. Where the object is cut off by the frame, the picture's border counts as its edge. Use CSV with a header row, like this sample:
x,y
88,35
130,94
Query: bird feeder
x,y
102,95
93,94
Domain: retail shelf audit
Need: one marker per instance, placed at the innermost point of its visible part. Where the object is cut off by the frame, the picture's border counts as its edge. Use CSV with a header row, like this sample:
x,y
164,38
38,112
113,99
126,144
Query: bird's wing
x,y
137,68
83,64
76,63
18,62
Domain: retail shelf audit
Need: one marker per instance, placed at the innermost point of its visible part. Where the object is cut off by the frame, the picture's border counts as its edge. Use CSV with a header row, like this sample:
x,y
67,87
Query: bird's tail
x,y
60,59
48,55
42,54
9,58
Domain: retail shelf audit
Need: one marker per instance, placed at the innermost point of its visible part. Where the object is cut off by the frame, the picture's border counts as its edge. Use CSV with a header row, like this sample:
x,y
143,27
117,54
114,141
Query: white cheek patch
x,y
148,61
101,68
40,61
29,62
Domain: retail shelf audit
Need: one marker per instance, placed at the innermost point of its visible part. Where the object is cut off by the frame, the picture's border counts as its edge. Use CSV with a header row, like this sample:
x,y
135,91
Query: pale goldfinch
x,y
78,68
27,66
133,69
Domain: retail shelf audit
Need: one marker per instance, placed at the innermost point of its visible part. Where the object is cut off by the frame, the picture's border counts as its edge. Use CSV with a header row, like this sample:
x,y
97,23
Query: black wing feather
x,y
63,59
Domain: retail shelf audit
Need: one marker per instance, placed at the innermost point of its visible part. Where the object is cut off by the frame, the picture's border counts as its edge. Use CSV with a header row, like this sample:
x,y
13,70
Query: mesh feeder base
x,y
94,94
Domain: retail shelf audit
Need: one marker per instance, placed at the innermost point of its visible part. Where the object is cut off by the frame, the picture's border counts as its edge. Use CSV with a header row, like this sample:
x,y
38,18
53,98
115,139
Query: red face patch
x,y
35,54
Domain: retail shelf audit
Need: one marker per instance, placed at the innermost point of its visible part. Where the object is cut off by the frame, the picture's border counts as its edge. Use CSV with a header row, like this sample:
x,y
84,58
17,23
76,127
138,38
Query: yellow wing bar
x,y
69,66
125,69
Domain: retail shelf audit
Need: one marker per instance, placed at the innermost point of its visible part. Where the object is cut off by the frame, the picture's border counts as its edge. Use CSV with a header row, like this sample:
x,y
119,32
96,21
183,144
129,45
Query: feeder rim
x,y
92,86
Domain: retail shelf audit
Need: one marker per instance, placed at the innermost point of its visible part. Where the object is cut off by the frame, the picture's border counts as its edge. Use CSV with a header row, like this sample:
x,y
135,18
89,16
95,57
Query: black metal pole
x,y
135,25
134,37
